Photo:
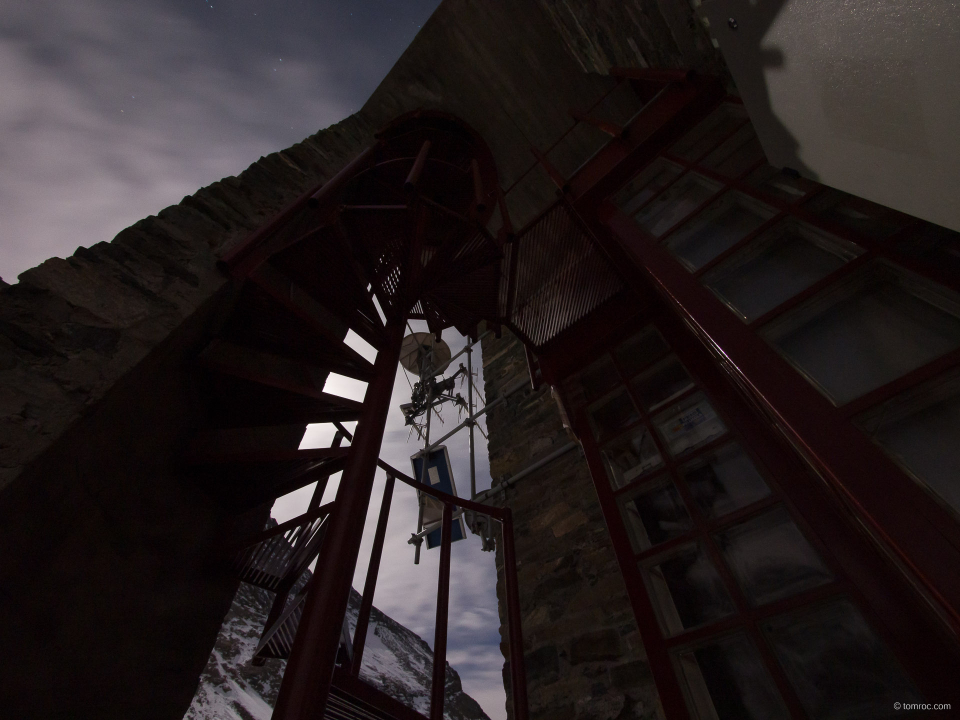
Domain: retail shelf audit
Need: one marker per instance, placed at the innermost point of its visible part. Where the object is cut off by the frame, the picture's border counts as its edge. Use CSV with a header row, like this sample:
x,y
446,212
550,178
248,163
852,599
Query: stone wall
x,y
584,657
632,33
114,580
70,328
110,566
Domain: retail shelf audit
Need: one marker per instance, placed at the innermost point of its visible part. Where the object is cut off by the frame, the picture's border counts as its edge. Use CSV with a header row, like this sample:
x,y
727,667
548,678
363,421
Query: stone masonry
x,y
583,654
111,555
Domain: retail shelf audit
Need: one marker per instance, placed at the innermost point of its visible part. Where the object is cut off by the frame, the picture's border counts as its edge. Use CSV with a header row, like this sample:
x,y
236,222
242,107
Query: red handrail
x,y
518,675
370,585
492,511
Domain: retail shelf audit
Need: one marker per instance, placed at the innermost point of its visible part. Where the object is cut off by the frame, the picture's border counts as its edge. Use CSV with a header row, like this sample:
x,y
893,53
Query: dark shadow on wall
x,y
740,26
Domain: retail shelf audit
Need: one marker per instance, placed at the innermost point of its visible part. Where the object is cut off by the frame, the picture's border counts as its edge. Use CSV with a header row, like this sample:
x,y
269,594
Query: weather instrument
x,y
439,475
427,357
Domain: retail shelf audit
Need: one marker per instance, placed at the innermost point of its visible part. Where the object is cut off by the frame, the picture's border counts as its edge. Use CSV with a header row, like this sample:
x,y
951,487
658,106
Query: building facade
x,y
756,374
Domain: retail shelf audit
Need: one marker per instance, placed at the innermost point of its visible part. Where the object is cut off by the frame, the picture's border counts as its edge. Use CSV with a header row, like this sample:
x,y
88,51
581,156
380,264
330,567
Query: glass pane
x,y
689,424
920,430
711,130
771,559
598,379
651,180
838,666
688,591
655,515
780,183
868,331
630,456
724,481
613,415
718,228
676,202
781,263
862,216
737,154
640,350
934,245
664,382
727,680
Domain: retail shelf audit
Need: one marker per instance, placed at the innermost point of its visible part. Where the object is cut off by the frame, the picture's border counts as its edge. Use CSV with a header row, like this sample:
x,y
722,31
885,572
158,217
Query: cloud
x,y
114,110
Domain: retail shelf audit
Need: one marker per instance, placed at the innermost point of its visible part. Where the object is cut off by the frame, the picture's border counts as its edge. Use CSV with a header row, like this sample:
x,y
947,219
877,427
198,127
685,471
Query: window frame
x,y
888,595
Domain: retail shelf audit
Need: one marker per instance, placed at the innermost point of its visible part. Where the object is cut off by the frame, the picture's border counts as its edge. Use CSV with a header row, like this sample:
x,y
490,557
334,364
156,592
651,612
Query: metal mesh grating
x,y
560,276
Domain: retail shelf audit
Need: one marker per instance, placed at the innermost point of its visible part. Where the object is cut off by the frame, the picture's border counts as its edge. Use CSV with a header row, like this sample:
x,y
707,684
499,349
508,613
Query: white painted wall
x,y
861,95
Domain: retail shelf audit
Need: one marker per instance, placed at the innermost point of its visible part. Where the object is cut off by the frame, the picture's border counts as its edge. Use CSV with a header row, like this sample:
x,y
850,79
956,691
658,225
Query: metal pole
x,y
421,479
503,486
370,585
324,479
473,466
444,367
518,672
507,392
440,630
414,177
306,682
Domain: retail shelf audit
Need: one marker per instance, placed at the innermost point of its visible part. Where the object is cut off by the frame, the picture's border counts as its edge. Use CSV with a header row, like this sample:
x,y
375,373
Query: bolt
x,y
732,23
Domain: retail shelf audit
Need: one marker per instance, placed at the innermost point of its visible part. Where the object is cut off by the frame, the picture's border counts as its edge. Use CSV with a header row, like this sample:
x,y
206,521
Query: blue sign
x,y
439,476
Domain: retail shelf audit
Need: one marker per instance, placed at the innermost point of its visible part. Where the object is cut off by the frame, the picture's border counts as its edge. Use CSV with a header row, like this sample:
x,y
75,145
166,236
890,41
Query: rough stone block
x,y
566,712
542,665
594,646
630,675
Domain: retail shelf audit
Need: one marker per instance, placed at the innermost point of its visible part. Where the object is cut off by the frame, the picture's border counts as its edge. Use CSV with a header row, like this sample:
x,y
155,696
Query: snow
x,y
395,660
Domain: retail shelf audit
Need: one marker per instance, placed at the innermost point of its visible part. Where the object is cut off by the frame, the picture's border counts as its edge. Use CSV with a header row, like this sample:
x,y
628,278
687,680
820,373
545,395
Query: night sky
x,y
114,110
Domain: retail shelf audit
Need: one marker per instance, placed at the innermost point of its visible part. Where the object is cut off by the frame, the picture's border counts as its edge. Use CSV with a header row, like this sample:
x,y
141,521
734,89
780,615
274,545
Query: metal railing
x,y
450,505
283,552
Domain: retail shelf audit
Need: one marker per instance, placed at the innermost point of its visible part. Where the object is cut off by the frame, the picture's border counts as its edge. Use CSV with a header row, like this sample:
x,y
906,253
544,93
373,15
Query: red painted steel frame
x,y
370,585
382,704
518,673
811,425
881,591
493,512
919,533
671,696
306,681
257,247
443,607
922,536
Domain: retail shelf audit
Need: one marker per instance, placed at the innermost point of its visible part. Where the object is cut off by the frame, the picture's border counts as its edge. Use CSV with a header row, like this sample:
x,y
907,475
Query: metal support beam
x,y
472,424
554,174
518,672
440,629
611,129
410,184
924,540
652,75
671,696
510,482
507,392
478,198
323,479
257,247
370,585
306,682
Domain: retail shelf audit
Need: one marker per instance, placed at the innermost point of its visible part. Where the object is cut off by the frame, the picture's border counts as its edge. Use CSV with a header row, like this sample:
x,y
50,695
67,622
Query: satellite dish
x,y
416,357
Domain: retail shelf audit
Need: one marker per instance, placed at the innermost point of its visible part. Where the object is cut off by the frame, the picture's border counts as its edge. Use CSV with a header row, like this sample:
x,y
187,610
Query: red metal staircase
x,y
402,227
